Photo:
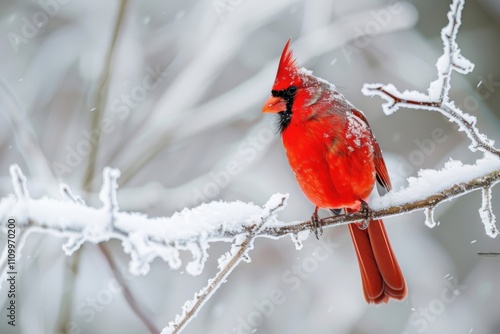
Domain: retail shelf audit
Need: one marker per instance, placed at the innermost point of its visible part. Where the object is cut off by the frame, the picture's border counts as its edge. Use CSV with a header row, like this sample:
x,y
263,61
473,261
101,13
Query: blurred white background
x,y
186,85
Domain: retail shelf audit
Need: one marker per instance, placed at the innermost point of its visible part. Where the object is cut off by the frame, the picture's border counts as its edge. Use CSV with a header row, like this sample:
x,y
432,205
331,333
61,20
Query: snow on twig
x,y
437,97
194,229
142,237
23,196
146,238
424,192
227,262
486,213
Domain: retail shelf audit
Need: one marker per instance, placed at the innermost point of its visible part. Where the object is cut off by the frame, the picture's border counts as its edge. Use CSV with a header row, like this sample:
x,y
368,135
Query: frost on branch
x,y
429,218
242,244
142,237
429,181
452,174
437,97
451,59
486,213
297,238
19,183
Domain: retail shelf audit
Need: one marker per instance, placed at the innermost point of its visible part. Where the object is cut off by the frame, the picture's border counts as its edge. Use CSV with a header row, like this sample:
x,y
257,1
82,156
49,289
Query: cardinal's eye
x,y
291,90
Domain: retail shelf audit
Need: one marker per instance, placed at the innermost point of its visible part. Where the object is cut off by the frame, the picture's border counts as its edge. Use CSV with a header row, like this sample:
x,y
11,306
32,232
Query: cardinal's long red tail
x,y
380,273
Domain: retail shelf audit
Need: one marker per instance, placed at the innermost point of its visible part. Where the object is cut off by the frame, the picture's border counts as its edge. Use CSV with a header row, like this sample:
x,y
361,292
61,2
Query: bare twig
x,y
96,117
138,310
26,139
102,96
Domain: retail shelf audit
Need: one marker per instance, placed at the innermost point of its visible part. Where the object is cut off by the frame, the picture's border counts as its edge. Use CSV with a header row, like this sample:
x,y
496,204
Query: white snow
x,y
390,106
431,181
486,213
429,217
18,182
297,238
143,237
228,261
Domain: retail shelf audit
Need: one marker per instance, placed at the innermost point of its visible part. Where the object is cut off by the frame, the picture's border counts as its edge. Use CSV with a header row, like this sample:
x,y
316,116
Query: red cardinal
x,y
336,161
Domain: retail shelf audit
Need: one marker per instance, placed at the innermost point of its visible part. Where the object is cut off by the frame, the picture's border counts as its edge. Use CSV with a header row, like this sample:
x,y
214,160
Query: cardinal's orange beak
x,y
274,105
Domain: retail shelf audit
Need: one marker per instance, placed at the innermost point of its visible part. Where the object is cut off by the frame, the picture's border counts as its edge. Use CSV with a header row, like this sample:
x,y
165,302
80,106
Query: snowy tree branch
x,y
437,98
192,230
482,177
227,262
239,223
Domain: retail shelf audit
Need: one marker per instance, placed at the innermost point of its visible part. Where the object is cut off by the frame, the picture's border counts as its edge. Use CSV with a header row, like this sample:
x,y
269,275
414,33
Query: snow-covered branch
x,y
437,97
142,237
227,262
146,238
424,192
192,230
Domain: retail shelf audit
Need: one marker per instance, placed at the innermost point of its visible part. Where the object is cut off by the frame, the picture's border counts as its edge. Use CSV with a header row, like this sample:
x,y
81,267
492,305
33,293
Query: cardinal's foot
x,y
316,224
365,209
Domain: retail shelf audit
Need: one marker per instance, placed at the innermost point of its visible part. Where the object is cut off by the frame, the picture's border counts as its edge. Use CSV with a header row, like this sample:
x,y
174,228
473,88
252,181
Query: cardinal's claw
x,y
316,224
368,215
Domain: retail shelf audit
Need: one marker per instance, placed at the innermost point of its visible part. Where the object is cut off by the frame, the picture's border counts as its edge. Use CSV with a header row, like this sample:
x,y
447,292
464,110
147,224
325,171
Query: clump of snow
x,y
19,182
107,195
199,250
429,217
429,182
487,215
298,238
73,244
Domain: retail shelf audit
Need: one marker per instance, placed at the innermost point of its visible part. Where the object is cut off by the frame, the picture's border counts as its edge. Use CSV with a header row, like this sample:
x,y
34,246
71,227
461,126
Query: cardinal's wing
x,y
380,168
